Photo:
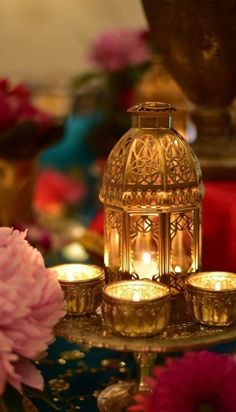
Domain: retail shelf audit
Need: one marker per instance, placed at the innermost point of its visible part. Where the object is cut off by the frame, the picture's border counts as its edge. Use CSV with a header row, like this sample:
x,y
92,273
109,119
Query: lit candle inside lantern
x,y
147,267
178,269
212,297
82,286
136,307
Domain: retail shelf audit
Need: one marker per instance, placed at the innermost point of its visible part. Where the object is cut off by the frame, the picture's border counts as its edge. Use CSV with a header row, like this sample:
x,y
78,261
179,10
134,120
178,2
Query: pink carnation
x,y
116,50
31,303
199,381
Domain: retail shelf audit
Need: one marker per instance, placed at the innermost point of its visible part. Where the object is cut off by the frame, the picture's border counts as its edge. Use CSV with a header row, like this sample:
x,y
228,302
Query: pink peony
x,y
199,381
116,50
31,303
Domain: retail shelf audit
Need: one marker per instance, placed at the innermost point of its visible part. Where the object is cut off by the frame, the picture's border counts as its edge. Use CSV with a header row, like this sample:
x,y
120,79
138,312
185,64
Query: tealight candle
x,y
82,286
136,307
211,297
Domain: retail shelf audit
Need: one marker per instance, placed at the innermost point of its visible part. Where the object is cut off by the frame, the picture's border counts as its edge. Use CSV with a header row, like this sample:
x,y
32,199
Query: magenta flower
x,y
199,381
116,50
16,107
31,303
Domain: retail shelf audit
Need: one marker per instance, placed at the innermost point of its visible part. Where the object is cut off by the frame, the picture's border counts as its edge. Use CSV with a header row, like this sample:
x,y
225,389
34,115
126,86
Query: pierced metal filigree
x,y
152,190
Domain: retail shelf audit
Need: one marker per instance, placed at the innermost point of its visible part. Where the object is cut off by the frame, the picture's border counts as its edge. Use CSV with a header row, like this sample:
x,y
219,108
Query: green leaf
x,y
12,400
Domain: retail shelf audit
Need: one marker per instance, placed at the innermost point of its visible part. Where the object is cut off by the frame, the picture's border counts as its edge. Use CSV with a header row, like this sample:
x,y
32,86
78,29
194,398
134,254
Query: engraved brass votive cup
x,y
82,286
136,307
211,297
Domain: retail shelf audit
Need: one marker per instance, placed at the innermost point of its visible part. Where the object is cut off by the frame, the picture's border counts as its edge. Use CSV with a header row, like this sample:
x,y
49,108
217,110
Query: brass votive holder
x,y
136,307
82,286
211,297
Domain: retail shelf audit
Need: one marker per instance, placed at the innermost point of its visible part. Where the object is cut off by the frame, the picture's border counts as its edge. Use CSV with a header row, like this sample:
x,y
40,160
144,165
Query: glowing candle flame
x,y
217,286
146,258
178,269
136,297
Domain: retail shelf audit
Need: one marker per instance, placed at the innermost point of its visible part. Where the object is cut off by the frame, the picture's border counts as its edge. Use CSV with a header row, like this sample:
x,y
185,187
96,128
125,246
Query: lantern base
x,y
176,283
116,275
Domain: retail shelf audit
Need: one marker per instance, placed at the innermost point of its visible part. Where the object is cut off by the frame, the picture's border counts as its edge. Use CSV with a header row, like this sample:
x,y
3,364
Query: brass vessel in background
x,y
197,40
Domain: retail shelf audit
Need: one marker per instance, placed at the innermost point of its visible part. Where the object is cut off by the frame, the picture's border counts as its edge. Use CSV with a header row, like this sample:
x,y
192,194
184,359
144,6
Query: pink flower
x,y
116,50
198,381
31,303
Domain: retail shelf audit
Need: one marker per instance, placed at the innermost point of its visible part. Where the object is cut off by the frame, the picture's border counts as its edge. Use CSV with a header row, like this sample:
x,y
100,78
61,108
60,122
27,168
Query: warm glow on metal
x,y
152,191
146,258
136,297
217,286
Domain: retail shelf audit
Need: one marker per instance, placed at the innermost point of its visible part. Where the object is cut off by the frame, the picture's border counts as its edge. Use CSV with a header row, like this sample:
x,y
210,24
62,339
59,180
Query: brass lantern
x,y
152,191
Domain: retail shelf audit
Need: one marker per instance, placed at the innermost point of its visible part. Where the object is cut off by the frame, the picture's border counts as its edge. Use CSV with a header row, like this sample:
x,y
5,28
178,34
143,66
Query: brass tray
x,y
182,333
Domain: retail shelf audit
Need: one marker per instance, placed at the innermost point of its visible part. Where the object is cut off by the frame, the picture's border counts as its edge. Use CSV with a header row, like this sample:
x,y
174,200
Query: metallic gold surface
x,y
84,294
211,297
182,333
28,405
136,308
17,178
152,191
117,397
197,40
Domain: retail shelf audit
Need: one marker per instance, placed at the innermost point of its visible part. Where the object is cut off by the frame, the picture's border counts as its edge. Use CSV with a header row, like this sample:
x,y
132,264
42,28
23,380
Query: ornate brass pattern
x,y
116,275
175,281
114,220
138,320
211,308
178,161
182,333
143,224
81,299
150,174
155,199
182,222
145,162
135,170
114,169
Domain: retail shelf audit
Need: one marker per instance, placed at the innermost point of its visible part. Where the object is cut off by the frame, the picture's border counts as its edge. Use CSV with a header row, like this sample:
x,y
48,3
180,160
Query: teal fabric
x,y
72,150
88,375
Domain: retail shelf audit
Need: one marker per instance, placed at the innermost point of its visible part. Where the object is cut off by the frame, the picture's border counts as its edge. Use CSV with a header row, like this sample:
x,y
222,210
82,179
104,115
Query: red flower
x,y
16,107
199,381
54,190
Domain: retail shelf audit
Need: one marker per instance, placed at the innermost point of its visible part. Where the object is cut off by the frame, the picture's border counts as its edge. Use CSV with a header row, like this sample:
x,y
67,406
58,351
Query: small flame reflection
x,y
217,286
136,297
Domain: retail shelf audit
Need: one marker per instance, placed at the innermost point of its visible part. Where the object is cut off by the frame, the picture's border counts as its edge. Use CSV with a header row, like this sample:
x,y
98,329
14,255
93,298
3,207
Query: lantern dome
x,y
152,164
